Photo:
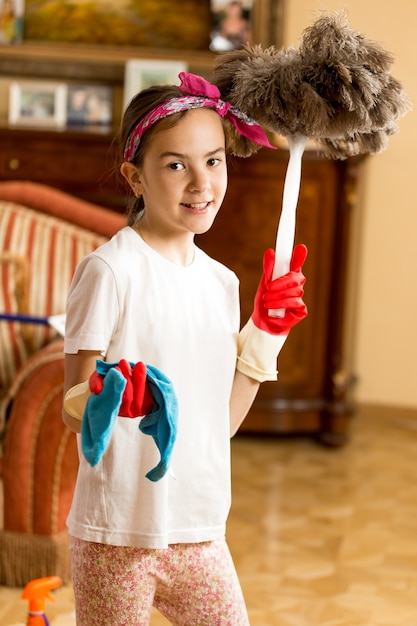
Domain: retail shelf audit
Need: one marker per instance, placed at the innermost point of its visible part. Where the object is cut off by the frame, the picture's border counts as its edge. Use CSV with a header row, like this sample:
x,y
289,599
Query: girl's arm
x,y
261,339
243,394
78,368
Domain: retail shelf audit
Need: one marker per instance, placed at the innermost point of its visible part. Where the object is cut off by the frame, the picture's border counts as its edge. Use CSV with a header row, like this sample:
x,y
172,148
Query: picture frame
x,y
141,74
232,24
151,24
89,105
268,20
259,22
11,21
34,103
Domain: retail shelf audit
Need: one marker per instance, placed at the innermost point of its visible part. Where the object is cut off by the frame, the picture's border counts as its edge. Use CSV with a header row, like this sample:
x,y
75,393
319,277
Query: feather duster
x,y
335,89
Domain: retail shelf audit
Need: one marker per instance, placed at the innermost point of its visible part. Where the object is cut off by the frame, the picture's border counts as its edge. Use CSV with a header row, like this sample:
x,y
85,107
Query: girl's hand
x,y
137,398
285,292
263,336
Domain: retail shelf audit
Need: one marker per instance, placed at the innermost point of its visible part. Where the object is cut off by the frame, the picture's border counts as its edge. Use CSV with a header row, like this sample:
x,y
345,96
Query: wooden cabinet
x,y
81,162
313,393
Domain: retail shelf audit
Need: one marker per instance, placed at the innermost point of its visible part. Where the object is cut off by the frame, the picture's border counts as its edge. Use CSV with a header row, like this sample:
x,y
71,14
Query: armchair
x,y
44,233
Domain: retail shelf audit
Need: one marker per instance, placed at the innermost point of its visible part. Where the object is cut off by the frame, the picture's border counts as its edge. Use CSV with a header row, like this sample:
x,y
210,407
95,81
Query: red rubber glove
x,y
263,336
137,398
96,382
285,292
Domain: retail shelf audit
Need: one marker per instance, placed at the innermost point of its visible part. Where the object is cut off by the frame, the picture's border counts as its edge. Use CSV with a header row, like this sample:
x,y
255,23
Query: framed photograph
x,y
33,103
140,74
11,21
89,105
232,24
151,24
237,22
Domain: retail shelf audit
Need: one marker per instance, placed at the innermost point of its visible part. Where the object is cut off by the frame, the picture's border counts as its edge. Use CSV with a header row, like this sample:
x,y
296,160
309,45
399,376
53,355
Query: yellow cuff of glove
x,y
257,352
76,398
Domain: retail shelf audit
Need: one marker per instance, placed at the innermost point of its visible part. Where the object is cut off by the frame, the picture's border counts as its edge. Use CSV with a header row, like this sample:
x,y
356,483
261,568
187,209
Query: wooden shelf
x,y
89,63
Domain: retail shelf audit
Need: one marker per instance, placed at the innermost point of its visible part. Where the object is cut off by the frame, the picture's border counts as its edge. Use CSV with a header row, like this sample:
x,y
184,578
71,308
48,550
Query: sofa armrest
x,y
40,454
63,205
39,472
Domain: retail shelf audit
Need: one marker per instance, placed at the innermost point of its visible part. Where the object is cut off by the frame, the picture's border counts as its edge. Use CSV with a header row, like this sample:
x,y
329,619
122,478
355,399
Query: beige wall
x,y
386,337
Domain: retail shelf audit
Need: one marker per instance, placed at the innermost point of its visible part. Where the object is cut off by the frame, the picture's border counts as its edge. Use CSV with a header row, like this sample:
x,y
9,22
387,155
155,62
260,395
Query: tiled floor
x,y
320,537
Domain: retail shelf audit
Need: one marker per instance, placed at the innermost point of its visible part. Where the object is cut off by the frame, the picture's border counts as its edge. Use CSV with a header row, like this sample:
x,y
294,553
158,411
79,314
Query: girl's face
x,y
183,177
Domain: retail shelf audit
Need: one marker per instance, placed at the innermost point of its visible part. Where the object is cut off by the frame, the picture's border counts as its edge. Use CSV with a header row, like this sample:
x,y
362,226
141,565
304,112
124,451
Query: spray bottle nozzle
x,y
38,590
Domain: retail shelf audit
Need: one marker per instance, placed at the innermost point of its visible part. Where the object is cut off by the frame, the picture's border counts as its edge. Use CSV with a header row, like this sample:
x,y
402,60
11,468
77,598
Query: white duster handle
x,y
286,227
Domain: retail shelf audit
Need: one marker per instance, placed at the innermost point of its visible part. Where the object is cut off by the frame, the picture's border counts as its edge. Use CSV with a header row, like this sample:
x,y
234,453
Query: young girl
x,y
150,296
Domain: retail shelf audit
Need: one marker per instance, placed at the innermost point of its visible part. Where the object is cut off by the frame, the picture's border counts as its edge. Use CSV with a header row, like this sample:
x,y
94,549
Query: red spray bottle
x,y
36,592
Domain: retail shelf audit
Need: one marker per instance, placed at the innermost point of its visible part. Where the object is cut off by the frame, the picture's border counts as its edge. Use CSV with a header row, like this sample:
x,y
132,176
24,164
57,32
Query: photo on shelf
x,y
11,21
89,105
33,103
232,27
140,74
151,24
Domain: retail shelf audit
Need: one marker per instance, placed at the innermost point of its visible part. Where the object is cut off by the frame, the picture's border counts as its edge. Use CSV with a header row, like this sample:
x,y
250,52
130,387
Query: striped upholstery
x,y
42,239
15,347
38,256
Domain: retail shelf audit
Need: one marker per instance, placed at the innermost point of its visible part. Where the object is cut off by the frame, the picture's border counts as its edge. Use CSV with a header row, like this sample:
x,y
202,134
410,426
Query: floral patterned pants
x,y
190,584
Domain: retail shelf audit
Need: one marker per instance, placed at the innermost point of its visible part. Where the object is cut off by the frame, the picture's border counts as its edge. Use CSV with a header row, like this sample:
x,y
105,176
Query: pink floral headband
x,y
204,94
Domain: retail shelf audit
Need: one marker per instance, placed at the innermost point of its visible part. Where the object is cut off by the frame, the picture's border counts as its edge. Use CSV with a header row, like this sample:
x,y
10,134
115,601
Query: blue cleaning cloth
x,y
162,422
100,415
101,411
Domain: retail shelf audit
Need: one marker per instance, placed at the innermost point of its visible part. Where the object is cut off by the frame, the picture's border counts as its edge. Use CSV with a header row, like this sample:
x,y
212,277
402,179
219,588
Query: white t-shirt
x,y
127,301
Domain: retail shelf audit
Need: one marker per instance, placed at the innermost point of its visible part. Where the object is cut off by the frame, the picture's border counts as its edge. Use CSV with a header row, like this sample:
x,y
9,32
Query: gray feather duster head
x,y
335,89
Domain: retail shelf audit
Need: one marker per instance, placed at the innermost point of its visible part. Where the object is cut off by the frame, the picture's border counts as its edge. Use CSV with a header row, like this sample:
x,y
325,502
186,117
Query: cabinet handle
x,y
14,164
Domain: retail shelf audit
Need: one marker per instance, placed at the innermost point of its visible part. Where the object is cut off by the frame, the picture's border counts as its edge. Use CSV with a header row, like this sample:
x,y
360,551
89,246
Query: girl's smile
x,y
198,207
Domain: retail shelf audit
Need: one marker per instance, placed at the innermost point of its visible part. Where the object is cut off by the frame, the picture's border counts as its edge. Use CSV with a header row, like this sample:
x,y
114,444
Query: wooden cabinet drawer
x,y
54,166
79,162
